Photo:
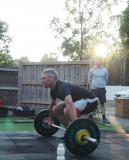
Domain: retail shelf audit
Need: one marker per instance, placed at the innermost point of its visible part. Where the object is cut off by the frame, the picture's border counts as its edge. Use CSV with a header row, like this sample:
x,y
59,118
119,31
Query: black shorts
x,y
100,93
90,108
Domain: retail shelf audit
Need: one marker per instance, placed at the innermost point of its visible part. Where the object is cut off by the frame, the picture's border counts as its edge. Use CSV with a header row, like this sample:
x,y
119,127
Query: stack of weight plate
x,y
3,111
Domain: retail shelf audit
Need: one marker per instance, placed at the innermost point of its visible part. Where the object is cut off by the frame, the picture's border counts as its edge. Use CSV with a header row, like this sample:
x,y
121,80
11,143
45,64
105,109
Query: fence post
x,y
19,97
92,62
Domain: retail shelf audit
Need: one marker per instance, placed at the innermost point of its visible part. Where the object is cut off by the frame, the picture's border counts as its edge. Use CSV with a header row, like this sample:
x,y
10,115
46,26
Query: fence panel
x,y
22,84
33,92
8,85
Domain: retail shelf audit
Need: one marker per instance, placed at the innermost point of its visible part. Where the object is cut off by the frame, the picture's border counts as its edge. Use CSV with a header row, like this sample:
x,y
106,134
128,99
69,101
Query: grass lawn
x,y
111,126
8,124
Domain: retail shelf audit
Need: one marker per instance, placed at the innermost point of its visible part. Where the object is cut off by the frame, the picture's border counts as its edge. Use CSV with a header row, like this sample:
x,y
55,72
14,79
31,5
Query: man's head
x,y
49,78
98,62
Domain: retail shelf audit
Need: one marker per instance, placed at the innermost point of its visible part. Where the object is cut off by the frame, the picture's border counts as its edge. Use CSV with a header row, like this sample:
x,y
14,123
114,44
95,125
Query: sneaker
x,y
61,139
105,120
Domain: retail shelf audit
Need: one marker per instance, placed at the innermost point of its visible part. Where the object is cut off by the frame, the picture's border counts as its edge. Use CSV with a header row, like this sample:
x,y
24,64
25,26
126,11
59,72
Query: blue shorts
x,y
100,93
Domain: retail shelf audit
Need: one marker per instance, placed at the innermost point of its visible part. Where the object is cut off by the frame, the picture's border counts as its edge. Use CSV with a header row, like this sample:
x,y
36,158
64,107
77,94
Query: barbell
x,y
82,136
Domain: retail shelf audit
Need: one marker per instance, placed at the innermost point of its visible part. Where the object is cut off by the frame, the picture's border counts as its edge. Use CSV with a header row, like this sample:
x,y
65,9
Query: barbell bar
x,y
53,125
95,141
83,137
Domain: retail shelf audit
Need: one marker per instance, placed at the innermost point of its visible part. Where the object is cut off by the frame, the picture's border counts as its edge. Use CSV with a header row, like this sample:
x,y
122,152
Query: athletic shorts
x,y
84,107
100,93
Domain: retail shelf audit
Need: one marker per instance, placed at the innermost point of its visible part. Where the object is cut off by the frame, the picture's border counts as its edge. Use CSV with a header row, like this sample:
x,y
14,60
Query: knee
x,y
55,110
65,112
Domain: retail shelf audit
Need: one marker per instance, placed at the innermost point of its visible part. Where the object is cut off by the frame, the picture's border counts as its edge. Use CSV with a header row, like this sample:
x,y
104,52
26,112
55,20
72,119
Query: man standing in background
x,y
97,79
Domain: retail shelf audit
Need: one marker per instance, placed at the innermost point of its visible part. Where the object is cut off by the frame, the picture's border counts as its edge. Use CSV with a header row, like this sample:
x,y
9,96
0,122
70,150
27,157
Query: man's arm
x,y
90,77
52,104
106,77
71,111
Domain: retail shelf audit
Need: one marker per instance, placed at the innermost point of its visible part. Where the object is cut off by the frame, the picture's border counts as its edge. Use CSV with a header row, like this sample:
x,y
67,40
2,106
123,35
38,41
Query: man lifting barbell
x,y
77,100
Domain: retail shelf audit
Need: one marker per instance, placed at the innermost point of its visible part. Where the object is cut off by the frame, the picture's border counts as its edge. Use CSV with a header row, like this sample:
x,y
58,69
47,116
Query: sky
x,y
28,21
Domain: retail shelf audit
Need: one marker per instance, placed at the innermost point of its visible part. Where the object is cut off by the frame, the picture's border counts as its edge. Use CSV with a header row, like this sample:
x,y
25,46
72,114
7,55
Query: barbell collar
x,y
95,141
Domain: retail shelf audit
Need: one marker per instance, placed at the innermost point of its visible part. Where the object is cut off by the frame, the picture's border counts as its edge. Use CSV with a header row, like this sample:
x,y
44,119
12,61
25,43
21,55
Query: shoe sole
x,y
106,122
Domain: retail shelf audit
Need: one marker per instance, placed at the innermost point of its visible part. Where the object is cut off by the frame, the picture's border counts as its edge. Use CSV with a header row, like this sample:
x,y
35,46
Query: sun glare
x,y
101,50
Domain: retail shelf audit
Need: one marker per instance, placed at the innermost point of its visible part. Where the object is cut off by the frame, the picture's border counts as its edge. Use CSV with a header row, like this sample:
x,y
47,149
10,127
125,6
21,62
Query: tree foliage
x,y
115,63
124,27
82,28
5,39
5,58
23,59
49,57
127,70
124,34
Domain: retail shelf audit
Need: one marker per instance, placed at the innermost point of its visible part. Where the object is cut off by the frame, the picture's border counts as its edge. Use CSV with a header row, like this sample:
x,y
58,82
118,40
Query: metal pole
x,y
95,141
53,125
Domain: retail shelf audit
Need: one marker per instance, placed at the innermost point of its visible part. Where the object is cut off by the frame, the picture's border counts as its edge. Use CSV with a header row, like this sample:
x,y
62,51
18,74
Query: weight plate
x,y
3,112
78,128
3,109
42,128
3,115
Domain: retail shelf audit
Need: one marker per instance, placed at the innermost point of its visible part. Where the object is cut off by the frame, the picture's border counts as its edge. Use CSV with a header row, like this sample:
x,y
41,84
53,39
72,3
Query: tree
x,y
124,27
127,70
49,57
124,34
5,39
6,60
82,27
115,63
23,59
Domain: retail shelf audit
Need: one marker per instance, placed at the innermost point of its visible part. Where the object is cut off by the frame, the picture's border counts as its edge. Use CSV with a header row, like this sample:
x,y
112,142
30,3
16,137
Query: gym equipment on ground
x,y
82,136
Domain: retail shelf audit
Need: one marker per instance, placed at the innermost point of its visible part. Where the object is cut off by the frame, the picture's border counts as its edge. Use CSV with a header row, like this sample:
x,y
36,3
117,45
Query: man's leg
x,y
102,109
103,113
58,111
102,98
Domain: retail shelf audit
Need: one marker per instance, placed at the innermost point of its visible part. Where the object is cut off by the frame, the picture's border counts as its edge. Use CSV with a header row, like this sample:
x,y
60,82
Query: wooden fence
x,y
24,83
8,85
32,91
